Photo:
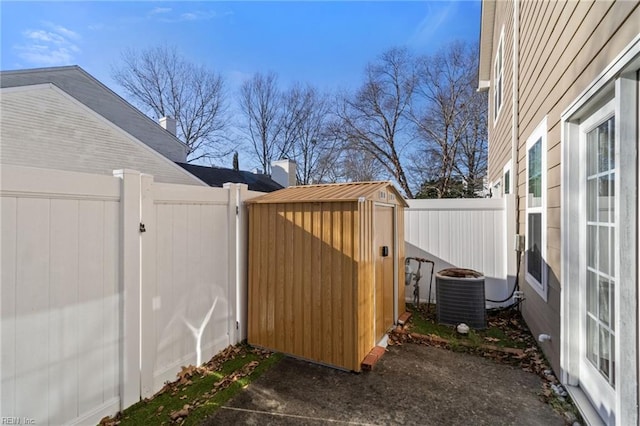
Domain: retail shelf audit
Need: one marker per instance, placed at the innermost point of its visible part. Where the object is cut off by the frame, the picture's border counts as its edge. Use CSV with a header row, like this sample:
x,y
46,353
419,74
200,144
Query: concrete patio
x,y
411,384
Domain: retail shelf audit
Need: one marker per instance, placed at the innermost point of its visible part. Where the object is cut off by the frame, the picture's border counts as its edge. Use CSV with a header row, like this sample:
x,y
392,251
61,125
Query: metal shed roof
x,y
334,192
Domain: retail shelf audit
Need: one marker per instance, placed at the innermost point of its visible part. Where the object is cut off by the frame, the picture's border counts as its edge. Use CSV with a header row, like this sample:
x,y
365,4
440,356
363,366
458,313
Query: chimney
x,y
284,172
169,124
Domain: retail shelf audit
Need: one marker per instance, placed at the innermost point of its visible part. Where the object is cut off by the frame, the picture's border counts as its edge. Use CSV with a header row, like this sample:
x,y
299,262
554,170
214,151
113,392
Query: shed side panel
x,y
401,256
295,277
306,228
303,265
280,285
349,278
326,296
365,281
254,312
316,282
337,284
272,287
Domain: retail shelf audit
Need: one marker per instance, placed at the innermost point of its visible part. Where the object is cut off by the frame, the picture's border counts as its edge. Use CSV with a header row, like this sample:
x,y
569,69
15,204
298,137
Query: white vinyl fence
x,y
109,285
462,233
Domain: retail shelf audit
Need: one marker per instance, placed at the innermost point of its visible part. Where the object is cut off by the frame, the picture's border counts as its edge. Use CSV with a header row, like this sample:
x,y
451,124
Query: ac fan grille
x,y
461,301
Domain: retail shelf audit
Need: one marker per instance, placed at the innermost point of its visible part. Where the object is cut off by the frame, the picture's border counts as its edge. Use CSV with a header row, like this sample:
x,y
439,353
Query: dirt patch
x,y
411,384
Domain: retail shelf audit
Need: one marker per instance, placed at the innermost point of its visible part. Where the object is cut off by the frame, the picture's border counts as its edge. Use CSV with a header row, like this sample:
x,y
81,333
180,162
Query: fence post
x,y
129,286
242,264
237,261
232,261
147,283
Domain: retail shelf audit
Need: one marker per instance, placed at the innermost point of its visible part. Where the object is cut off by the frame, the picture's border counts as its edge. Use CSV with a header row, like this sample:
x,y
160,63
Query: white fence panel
x,y
60,301
186,280
462,233
109,285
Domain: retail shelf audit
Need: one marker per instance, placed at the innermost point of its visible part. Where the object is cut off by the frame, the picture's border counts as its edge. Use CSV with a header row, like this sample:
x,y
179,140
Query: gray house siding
x,y
42,126
89,91
573,55
563,46
499,130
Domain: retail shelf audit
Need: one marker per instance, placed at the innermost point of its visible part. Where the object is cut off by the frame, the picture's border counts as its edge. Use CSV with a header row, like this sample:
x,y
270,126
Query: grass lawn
x,y
504,329
198,392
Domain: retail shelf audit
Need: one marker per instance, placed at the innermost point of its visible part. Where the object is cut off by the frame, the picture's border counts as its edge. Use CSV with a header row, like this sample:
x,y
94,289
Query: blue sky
x,y
323,43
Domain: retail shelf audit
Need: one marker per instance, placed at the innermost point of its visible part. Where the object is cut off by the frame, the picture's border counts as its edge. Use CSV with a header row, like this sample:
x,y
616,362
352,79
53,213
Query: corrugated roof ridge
x,y
342,191
371,182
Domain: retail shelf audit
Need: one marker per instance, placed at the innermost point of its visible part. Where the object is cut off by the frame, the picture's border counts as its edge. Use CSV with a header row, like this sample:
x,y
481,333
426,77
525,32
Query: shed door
x,y
383,298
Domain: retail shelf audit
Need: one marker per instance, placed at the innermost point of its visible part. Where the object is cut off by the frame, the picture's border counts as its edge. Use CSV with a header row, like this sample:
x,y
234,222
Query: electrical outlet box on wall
x,y
518,242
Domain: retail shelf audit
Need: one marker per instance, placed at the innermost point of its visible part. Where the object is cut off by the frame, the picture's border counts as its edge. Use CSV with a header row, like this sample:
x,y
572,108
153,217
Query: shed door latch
x,y
142,228
385,251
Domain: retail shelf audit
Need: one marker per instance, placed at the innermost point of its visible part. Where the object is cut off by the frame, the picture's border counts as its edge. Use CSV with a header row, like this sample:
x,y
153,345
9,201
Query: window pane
x,y
603,198
534,249
612,144
592,245
612,252
604,352
592,341
535,174
592,198
603,299
612,194
592,292
603,249
613,361
612,305
602,135
507,181
592,153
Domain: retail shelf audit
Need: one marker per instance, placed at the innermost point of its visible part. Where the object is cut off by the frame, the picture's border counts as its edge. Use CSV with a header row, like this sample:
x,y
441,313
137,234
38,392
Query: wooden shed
x,y
326,270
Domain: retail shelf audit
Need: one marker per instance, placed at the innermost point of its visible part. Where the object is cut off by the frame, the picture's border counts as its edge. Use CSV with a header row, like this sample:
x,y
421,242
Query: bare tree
x,y
163,83
449,120
471,164
358,165
261,104
373,119
307,115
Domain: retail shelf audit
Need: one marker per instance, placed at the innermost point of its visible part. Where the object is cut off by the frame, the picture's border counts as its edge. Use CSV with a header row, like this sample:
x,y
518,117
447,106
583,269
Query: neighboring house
x,y
43,126
62,118
283,175
217,176
563,90
76,82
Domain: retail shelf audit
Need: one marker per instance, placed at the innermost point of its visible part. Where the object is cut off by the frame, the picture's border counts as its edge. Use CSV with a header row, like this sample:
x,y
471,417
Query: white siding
x,y
41,126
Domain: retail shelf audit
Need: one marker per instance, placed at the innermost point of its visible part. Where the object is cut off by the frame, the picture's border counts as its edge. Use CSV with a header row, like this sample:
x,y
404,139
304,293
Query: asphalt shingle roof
x,y
217,176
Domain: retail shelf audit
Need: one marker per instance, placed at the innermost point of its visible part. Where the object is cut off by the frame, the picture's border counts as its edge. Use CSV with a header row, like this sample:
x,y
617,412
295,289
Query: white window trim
x,y
495,187
619,80
505,169
540,133
592,121
498,74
